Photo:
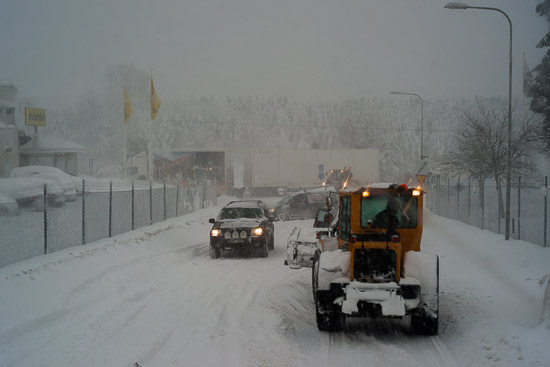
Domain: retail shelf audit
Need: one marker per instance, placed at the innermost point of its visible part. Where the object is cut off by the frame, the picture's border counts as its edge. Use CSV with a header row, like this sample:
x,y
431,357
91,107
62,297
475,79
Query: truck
x,y
265,172
374,266
339,178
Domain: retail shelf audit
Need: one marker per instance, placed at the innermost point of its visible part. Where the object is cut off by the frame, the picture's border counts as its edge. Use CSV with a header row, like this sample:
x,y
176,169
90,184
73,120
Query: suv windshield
x,y
236,213
376,208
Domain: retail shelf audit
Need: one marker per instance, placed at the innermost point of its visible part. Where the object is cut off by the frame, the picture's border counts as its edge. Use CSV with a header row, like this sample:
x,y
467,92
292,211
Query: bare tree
x,y
480,144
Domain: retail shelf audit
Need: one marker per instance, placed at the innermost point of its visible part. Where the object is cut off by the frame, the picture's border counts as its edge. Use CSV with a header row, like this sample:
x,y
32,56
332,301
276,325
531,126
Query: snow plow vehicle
x,y
377,269
304,244
338,178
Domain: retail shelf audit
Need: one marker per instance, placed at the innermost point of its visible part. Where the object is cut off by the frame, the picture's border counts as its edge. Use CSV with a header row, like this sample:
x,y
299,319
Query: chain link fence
x,y
479,205
99,214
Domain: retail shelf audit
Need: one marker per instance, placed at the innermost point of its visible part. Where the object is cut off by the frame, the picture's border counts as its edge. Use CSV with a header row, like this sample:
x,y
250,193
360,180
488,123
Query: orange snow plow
x,y
376,269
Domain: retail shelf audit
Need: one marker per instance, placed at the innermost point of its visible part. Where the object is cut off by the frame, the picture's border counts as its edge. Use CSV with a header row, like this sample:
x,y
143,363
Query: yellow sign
x,y
421,179
35,116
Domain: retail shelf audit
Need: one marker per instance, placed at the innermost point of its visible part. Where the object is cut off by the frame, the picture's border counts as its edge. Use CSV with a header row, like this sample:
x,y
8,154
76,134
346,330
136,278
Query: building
x,y
18,149
9,140
43,150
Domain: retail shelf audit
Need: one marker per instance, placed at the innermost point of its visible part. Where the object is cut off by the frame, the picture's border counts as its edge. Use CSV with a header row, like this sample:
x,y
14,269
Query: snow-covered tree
x,y
539,89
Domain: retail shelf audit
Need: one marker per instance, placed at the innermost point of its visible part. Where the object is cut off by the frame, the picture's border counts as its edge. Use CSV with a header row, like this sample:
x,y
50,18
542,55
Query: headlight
x,y
257,231
243,234
272,210
227,235
215,232
235,234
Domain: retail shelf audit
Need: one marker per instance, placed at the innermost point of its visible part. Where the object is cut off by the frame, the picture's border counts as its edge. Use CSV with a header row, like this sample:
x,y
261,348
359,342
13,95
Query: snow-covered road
x,y
154,296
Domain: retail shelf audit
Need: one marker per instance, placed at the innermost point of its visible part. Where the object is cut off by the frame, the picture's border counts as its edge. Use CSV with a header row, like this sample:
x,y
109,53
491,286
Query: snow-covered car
x,y
54,192
302,205
8,206
27,193
64,180
242,226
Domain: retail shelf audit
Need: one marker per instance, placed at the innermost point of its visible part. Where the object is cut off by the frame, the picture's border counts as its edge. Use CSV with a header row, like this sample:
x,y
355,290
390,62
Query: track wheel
x,y
424,325
329,318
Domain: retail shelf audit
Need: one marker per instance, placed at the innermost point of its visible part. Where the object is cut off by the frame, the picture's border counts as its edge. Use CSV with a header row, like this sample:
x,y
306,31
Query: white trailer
x,y
277,168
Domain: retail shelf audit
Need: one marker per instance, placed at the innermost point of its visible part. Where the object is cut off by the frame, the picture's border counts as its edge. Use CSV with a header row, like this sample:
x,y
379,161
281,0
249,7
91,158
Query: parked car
x,y
54,192
8,206
27,193
302,205
64,180
242,226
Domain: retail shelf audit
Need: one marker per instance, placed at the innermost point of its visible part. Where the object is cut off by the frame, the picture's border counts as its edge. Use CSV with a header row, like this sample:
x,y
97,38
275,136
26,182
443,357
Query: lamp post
x,y
509,147
422,156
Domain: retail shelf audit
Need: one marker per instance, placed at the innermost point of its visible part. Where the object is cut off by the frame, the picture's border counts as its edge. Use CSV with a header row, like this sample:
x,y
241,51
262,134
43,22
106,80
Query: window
x,y
406,213
345,217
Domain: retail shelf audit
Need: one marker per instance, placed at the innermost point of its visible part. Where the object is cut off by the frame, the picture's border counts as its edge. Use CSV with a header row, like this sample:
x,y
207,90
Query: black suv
x,y
242,226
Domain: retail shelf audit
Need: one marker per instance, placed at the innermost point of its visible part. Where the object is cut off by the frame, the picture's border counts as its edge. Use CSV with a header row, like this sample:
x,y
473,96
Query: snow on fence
x,y
465,200
96,215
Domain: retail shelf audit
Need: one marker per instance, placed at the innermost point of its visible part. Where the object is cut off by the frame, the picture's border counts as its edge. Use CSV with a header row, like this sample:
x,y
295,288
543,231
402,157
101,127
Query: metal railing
x,y
464,200
96,215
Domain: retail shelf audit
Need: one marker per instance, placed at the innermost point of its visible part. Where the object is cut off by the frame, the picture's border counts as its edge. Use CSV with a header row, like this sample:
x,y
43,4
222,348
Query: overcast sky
x,y
56,51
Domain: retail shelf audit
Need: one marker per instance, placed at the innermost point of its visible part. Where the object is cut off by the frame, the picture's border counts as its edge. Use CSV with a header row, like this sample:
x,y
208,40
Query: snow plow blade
x,y
301,248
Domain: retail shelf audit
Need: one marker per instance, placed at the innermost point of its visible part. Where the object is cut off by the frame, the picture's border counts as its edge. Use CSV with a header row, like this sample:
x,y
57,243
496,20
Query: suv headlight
x,y
257,231
215,232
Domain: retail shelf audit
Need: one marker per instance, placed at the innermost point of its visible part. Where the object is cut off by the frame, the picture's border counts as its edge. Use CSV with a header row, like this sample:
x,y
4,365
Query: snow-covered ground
x,y
155,297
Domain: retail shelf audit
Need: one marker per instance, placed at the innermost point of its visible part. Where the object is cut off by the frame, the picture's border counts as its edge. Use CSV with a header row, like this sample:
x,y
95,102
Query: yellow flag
x,y
155,102
128,111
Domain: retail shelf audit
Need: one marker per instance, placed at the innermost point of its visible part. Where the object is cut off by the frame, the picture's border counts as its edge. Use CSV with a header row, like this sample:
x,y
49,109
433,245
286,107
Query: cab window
x,y
406,212
345,217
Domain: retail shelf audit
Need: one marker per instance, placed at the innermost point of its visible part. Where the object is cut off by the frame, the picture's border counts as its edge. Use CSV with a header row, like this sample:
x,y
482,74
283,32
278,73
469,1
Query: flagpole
x,y
124,154
149,143
523,96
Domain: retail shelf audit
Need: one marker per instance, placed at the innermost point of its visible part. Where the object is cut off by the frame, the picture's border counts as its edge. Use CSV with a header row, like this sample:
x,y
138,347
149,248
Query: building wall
x,y
9,150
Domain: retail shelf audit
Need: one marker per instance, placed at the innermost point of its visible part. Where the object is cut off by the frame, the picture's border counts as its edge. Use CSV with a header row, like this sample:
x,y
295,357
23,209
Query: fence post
x,y
177,197
45,219
438,195
469,196
164,198
110,206
150,202
133,205
458,199
83,212
519,207
545,207
482,188
499,206
448,197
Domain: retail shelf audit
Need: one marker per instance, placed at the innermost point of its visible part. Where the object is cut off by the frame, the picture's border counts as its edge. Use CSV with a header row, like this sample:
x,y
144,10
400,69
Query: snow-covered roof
x,y
51,144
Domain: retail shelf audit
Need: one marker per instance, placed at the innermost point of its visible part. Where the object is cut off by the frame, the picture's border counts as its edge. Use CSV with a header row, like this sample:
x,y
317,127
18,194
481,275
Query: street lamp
x,y
462,6
422,156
